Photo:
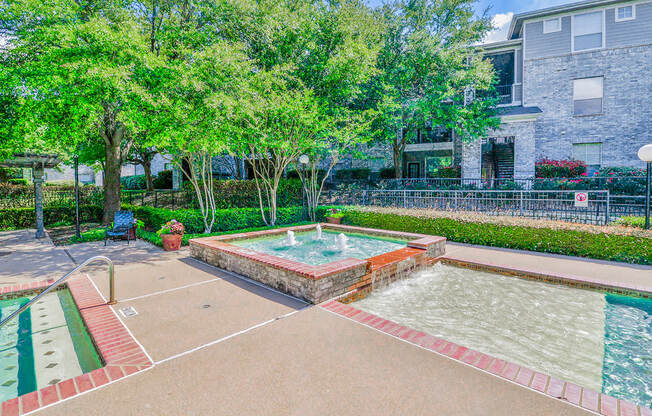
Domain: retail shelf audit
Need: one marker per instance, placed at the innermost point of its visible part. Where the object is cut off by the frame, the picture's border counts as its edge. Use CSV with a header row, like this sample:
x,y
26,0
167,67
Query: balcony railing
x,y
505,94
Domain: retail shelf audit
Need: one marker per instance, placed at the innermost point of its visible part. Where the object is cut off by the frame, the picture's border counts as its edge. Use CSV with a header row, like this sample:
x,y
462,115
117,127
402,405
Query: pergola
x,y
37,162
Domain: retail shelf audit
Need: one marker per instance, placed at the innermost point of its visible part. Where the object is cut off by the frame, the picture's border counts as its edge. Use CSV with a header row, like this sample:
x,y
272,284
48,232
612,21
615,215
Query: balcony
x,y
509,94
430,139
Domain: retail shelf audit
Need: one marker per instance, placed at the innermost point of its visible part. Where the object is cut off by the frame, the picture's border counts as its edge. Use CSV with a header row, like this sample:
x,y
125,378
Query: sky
x,y
502,12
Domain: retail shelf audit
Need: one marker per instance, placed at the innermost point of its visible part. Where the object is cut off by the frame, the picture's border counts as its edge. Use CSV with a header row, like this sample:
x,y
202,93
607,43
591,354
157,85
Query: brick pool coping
x,y
419,241
580,282
553,387
121,354
317,283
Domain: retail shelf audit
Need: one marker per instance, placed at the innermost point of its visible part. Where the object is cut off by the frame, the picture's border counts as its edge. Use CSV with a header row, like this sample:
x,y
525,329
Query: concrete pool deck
x,y
225,345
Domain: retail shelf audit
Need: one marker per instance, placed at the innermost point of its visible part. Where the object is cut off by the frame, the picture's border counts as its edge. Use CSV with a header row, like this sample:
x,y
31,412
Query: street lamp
x,y
645,154
303,161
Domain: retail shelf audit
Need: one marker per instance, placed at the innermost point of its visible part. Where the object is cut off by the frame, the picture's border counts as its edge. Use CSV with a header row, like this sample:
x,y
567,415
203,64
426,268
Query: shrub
x,y
547,168
133,182
163,180
153,238
17,181
13,218
96,234
447,172
615,247
231,193
638,222
226,219
352,174
9,173
387,173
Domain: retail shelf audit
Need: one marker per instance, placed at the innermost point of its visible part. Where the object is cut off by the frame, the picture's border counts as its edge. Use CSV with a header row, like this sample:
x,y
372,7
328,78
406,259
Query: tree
x,y
272,125
427,66
143,156
84,76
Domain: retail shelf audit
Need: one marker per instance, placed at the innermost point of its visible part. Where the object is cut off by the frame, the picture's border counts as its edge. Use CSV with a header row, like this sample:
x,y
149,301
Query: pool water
x,y
310,250
44,345
600,341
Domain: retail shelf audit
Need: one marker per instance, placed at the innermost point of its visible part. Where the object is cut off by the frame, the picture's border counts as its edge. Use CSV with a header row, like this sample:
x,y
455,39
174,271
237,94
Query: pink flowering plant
x,y
171,227
547,168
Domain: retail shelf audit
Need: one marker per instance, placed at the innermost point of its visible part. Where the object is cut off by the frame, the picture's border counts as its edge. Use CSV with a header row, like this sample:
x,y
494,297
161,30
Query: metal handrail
x,y
112,300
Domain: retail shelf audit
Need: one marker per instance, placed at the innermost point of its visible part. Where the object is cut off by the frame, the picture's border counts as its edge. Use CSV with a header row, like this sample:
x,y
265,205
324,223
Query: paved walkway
x,y
225,345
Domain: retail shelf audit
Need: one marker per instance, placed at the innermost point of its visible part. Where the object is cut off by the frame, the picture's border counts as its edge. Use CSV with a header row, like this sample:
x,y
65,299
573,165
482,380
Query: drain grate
x,y
128,311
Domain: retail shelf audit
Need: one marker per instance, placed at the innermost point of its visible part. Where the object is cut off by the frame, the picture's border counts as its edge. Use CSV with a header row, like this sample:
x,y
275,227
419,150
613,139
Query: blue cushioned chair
x,y
123,222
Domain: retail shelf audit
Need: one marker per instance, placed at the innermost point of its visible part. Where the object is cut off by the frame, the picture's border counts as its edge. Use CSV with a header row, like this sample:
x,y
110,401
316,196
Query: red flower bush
x,y
547,168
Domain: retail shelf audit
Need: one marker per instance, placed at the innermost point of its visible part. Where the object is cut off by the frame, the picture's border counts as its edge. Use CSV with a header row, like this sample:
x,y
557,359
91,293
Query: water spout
x,y
318,229
340,241
290,240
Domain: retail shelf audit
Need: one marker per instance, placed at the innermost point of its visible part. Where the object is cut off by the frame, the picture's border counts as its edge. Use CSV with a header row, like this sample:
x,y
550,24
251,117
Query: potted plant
x,y
171,234
334,216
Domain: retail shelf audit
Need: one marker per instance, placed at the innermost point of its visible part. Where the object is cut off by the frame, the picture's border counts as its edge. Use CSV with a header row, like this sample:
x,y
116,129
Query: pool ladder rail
x,y
112,300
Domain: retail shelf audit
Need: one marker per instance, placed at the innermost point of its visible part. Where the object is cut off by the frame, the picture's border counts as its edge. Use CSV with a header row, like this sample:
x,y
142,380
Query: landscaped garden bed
x,y
614,243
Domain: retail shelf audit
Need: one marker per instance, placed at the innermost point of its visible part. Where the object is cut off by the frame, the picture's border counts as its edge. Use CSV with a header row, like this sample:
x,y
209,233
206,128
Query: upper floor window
x,y
552,25
625,13
587,31
587,96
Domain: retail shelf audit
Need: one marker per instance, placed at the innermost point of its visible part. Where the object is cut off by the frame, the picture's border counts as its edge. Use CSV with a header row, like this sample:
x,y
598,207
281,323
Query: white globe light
x,y
645,153
304,159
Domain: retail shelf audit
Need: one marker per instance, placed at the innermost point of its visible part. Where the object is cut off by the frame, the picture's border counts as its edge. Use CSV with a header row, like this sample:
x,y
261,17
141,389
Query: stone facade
x,y
626,122
524,145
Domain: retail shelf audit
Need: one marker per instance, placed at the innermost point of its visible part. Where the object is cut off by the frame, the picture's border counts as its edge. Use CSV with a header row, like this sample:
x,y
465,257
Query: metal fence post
x,y
520,208
606,212
404,199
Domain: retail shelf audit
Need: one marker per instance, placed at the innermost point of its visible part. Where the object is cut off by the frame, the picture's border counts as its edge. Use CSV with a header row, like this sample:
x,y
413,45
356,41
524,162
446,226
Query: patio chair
x,y
123,222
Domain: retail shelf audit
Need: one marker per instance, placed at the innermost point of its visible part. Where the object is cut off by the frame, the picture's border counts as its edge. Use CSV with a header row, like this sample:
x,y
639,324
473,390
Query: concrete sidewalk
x,y
631,274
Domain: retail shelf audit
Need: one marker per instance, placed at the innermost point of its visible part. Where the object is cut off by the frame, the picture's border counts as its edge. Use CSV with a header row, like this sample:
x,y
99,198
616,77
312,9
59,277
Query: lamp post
x,y
77,234
303,161
645,154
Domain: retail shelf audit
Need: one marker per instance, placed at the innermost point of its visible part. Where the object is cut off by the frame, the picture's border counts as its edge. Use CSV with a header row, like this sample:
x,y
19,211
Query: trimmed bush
x,y
133,182
447,172
615,247
14,218
631,221
226,219
17,181
232,193
352,174
153,238
163,180
547,168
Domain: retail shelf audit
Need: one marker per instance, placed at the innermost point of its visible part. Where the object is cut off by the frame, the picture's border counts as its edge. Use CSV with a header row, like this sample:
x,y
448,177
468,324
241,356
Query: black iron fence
x,y
616,185
599,207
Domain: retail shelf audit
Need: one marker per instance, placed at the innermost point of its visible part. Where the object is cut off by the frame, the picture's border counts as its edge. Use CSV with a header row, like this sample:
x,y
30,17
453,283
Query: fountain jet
x,y
341,240
290,240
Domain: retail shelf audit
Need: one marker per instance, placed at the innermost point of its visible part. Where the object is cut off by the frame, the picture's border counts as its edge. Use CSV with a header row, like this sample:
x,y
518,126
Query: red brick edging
x,y
121,354
551,386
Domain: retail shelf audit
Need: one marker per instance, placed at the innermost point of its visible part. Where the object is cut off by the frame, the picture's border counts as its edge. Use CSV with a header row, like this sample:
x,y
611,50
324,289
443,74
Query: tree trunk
x,y
398,161
111,181
147,167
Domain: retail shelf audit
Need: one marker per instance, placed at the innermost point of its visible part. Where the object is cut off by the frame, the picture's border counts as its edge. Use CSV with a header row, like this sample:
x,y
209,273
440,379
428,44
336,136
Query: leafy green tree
x,y
84,76
427,72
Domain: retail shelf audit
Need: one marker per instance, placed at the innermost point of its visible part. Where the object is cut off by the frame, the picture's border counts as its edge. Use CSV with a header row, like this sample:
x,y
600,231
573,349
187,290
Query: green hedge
x,y
630,249
352,174
153,238
13,218
226,219
232,193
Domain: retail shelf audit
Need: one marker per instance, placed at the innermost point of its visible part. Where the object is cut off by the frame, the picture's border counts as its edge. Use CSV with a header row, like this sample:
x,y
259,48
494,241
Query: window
x,y
589,153
587,31
625,13
587,96
552,25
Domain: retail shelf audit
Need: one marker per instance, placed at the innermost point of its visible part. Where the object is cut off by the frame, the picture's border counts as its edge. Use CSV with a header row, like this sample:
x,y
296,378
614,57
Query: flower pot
x,y
334,220
171,242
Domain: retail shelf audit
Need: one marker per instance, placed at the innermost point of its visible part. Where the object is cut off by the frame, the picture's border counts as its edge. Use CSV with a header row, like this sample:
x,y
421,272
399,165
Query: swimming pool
x,y
44,345
310,249
597,340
